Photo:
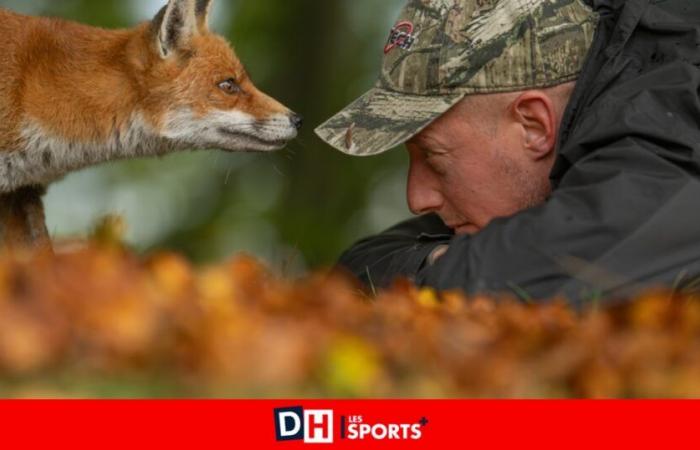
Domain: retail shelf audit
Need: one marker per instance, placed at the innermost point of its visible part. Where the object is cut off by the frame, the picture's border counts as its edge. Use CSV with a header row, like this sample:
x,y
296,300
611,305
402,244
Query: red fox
x,y
72,96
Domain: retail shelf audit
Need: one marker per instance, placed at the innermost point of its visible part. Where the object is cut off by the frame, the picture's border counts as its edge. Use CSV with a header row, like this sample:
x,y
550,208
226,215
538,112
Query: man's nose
x,y
423,194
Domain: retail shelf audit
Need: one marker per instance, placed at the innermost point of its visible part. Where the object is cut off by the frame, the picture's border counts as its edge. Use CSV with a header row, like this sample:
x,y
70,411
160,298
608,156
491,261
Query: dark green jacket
x,y
625,211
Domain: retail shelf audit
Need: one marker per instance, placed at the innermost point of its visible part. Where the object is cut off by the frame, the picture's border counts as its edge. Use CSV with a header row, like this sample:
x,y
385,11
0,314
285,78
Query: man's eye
x,y
438,170
434,163
230,86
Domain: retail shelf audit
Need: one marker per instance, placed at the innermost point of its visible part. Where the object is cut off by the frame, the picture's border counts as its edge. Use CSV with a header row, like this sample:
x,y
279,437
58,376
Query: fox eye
x,y
230,86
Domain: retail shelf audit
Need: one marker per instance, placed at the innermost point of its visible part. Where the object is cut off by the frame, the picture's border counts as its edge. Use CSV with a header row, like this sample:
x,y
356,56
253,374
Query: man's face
x,y
471,167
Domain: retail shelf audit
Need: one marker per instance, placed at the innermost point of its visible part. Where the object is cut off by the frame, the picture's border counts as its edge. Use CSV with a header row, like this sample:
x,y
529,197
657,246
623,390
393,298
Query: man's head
x,y
489,156
477,89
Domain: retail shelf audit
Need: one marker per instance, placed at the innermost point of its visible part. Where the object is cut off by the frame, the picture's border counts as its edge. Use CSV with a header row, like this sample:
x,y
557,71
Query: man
x,y
524,182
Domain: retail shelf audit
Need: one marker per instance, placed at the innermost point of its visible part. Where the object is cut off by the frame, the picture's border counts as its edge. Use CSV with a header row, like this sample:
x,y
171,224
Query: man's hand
x,y
400,252
437,254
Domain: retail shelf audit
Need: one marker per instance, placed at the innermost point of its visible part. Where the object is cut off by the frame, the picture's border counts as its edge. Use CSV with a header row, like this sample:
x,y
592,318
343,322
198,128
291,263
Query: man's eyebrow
x,y
423,142
430,146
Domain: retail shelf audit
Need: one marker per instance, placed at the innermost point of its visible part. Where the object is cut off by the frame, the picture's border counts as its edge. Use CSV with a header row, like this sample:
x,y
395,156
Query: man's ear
x,y
202,10
535,112
174,26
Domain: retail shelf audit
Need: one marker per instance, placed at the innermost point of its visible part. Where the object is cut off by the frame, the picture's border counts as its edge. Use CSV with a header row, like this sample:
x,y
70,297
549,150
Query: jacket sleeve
x,y
398,252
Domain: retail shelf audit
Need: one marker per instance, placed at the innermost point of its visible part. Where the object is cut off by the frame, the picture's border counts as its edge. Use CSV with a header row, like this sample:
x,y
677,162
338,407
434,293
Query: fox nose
x,y
297,120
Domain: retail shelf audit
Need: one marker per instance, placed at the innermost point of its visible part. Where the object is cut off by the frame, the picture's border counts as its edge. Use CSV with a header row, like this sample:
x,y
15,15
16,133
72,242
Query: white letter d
x,y
283,424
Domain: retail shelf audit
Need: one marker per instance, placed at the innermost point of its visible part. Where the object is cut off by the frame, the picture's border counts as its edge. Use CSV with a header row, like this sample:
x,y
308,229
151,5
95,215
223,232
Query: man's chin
x,y
466,230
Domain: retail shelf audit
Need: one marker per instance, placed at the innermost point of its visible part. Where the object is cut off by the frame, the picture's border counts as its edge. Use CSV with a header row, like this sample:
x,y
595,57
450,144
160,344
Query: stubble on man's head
x,y
490,107
488,112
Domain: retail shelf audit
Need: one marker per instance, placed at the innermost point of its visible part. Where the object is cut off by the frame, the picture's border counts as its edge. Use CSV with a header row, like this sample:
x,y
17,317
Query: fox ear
x,y
175,25
202,10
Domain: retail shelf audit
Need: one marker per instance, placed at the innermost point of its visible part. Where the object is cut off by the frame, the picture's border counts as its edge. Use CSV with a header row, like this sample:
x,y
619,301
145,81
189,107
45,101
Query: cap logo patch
x,y
401,36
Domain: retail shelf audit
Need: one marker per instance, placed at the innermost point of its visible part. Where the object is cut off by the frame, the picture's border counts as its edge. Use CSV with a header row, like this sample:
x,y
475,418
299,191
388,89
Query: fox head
x,y
201,92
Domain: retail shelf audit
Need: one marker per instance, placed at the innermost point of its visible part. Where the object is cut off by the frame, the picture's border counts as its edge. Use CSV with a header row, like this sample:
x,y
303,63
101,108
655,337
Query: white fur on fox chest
x,y
46,157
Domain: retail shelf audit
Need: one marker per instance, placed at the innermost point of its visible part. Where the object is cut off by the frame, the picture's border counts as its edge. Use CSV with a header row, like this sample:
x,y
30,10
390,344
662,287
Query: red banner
x,y
347,424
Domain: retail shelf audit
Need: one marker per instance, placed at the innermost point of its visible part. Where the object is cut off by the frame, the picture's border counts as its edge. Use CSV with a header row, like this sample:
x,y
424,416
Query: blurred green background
x,y
296,209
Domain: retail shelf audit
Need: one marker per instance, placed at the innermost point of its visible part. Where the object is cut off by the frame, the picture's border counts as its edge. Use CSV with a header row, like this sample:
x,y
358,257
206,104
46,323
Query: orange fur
x,y
72,95
82,82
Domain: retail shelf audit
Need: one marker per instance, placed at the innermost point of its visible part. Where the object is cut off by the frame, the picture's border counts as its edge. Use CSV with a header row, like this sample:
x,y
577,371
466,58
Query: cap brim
x,y
381,120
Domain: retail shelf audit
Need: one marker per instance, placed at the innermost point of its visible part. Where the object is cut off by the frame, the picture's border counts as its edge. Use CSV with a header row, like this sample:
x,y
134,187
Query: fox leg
x,y
22,220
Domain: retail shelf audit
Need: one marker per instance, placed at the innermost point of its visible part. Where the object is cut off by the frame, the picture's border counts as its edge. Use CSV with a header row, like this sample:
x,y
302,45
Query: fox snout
x,y
276,132
233,130
248,133
297,120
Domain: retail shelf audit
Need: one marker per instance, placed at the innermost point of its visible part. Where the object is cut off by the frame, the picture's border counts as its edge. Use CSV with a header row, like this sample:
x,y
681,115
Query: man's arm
x,y
399,251
623,216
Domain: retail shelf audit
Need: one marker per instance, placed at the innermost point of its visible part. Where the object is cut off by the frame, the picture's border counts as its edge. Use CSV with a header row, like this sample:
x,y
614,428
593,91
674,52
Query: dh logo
x,y
313,426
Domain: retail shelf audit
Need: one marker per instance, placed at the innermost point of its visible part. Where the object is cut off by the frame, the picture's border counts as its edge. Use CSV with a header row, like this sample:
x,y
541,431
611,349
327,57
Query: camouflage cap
x,y
439,51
